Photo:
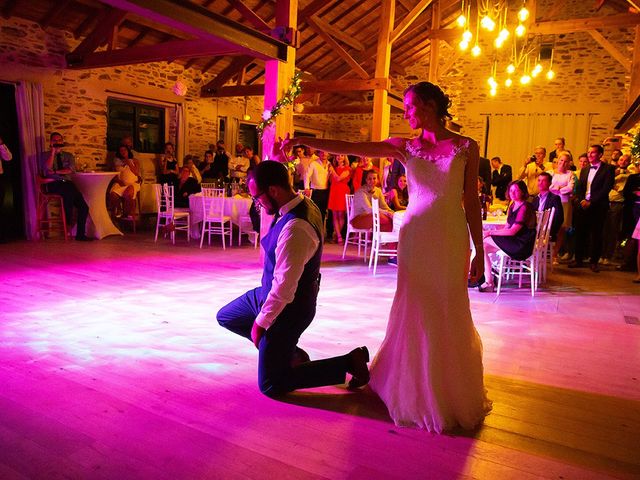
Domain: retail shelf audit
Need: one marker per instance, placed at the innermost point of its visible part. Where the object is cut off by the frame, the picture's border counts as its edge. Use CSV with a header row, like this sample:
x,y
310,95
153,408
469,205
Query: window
x,y
144,123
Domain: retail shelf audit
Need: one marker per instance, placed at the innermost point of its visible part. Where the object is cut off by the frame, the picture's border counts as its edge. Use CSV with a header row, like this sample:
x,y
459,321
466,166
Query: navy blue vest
x,y
308,211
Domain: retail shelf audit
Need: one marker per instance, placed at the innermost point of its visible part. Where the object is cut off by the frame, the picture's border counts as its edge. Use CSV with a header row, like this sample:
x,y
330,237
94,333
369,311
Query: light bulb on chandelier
x,y
523,14
520,30
487,23
476,50
508,82
463,45
461,20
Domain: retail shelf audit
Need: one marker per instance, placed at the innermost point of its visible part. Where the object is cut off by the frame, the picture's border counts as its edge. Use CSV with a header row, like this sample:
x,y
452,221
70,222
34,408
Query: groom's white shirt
x,y
297,243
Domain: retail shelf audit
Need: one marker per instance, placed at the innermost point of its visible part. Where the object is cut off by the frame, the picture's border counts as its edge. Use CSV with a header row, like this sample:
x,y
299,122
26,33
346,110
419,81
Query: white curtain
x,y
30,107
513,137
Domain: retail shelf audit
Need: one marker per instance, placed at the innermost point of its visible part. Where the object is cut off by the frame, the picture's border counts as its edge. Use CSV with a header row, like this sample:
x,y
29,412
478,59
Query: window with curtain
x,y
513,137
145,124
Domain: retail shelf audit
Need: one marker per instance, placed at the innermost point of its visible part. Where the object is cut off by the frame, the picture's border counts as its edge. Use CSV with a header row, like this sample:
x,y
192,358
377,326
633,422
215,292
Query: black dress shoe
x,y
357,367
480,281
84,238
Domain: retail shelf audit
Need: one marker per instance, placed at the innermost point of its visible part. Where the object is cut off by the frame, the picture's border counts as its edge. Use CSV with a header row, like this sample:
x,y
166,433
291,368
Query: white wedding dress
x,y
428,370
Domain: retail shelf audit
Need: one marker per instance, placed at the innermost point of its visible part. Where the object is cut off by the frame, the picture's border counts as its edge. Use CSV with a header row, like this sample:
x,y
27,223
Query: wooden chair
x,y
177,219
46,222
355,236
214,221
380,238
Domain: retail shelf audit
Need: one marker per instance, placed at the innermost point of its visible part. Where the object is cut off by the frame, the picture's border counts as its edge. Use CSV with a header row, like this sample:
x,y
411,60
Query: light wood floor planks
x,y
112,367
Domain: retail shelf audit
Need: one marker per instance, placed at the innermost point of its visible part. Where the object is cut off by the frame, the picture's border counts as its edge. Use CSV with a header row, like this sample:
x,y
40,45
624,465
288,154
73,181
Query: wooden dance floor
x,y
112,366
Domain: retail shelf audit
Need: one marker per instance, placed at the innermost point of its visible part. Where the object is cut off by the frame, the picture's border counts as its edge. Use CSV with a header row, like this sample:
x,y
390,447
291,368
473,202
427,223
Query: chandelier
x,y
503,34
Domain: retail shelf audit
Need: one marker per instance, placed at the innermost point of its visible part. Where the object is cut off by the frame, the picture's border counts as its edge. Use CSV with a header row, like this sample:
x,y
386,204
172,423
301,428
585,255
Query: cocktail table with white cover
x,y
235,207
93,186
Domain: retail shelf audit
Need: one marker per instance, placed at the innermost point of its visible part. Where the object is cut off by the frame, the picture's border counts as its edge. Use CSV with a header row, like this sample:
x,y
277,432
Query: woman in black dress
x,y
518,236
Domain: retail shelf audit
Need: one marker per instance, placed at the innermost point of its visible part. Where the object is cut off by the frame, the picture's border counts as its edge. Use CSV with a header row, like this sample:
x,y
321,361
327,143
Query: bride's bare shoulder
x,y
400,145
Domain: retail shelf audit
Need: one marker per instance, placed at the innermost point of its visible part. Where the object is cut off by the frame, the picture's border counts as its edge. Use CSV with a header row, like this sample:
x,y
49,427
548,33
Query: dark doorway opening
x,y
11,207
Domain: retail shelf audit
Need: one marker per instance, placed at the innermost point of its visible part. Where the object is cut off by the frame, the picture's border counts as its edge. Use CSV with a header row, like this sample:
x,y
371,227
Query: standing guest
x,y
429,368
317,180
399,198
631,216
300,171
127,183
187,185
5,156
559,147
56,166
484,171
546,200
275,315
616,154
563,184
518,236
590,209
239,165
361,215
636,236
613,222
220,167
583,162
340,176
169,165
501,176
254,159
127,141
364,164
533,167
393,170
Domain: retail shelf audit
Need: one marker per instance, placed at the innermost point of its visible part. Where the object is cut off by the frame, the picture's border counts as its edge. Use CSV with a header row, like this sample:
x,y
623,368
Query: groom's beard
x,y
272,207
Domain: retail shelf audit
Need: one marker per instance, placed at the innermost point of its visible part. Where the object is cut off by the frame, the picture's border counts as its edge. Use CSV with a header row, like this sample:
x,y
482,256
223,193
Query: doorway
x,y
11,209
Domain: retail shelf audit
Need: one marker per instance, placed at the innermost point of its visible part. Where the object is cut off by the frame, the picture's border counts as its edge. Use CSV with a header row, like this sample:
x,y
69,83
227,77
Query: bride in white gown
x,y
429,370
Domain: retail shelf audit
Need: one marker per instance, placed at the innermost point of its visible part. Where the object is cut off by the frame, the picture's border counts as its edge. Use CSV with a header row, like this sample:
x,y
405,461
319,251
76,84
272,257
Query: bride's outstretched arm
x,y
472,208
390,148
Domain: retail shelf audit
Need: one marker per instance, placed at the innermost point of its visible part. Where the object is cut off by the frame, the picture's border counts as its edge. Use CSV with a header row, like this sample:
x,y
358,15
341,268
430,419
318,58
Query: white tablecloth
x,y
93,187
494,223
235,207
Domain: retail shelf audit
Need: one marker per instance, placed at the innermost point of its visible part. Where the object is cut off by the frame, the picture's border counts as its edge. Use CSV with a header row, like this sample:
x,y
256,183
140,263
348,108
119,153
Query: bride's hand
x,y
477,267
280,148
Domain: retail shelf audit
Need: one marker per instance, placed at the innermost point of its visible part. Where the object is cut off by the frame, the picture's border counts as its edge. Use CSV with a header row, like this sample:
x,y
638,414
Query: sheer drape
x,y
30,107
181,133
513,137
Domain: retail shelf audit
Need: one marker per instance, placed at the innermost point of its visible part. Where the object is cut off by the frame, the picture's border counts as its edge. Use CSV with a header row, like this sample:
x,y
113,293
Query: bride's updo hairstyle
x,y
428,91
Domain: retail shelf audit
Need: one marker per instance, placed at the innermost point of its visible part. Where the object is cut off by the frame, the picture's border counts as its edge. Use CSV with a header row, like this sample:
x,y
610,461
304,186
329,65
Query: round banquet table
x,y
93,187
235,207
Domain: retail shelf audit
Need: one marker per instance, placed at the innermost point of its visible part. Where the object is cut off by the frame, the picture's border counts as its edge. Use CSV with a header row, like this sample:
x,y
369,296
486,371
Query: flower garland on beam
x,y
292,92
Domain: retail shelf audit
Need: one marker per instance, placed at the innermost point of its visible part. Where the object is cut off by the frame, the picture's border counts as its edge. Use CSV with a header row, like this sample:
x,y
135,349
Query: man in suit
x,y
274,315
546,200
592,204
501,177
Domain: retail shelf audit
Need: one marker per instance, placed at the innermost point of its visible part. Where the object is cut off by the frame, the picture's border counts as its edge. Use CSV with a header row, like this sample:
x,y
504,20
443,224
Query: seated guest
x,y
484,196
563,184
518,236
168,165
187,185
193,169
362,216
56,166
206,167
391,171
253,158
398,197
546,200
127,183
501,176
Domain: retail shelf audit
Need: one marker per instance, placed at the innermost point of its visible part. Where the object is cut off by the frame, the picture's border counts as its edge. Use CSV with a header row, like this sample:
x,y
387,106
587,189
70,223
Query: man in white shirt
x,y
238,166
274,315
317,180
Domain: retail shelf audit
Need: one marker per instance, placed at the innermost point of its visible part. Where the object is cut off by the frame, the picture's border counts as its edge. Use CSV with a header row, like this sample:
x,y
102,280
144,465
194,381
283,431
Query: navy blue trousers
x,y
276,376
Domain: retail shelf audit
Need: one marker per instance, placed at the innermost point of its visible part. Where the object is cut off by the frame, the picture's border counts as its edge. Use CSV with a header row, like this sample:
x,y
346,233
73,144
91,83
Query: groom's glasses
x,y
256,200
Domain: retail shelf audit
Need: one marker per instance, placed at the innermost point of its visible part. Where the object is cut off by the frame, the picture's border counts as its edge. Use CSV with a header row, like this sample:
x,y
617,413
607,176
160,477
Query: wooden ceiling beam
x,y
143,33
210,64
338,34
313,8
56,9
190,63
160,52
250,16
100,35
609,47
584,24
84,25
356,67
199,22
409,19
308,88
235,67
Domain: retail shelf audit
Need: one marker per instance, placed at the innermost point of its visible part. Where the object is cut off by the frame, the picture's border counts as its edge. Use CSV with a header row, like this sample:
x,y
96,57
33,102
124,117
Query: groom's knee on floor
x,y
273,388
